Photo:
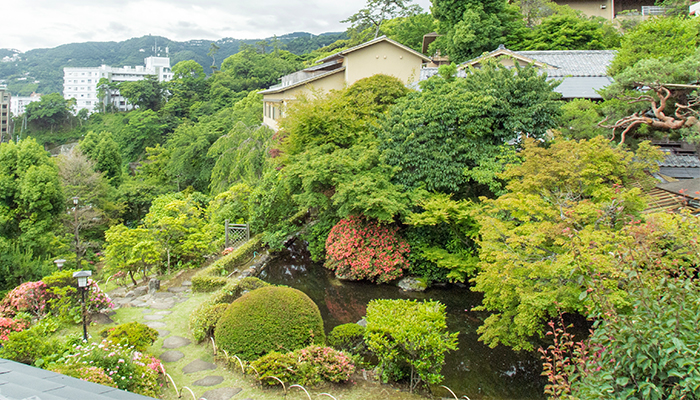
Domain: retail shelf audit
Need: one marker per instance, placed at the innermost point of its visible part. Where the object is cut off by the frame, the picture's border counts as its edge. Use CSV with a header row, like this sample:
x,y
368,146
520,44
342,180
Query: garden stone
x,y
174,342
209,381
153,286
130,293
152,317
163,295
178,289
221,393
163,312
138,303
197,365
171,356
412,284
187,283
118,292
162,305
140,291
362,322
99,318
155,324
163,332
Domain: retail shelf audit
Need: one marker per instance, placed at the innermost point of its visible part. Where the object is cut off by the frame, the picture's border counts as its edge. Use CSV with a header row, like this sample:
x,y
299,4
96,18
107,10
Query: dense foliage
x,y
269,319
410,339
308,366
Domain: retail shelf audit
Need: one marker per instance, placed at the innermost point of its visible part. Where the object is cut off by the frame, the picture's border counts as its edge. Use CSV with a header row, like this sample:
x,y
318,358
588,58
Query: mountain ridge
x,y
41,70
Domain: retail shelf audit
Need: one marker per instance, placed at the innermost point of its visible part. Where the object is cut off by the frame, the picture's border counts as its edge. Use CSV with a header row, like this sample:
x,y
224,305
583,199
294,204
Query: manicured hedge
x,y
269,319
131,334
204,318
346,337
214,276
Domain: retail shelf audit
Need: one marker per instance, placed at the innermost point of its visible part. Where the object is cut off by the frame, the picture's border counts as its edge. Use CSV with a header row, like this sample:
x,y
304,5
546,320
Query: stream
x,y
474,370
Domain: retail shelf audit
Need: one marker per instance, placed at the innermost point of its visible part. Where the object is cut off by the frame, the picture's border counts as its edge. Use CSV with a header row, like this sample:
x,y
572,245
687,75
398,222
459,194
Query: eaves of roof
x,y
372,42
301,83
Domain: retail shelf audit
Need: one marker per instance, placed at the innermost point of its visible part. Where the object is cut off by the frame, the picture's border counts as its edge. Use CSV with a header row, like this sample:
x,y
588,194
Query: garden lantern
x,y
82,277
59,263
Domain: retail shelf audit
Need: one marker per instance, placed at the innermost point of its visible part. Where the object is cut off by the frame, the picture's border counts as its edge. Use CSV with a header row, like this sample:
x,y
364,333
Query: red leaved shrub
x,y
362,249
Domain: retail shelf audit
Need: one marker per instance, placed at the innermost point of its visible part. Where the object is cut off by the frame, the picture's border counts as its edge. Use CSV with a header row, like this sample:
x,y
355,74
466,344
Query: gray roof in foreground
x,y
20,382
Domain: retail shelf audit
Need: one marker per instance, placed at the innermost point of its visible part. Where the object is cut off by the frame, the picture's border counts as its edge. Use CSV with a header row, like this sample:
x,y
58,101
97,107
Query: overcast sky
x,y
31,24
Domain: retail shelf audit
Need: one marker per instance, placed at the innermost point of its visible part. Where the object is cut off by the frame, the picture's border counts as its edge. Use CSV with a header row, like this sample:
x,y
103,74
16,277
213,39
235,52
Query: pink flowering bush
x,y
129,369
90,374
227,250
362,249
308,366
29,297
8,325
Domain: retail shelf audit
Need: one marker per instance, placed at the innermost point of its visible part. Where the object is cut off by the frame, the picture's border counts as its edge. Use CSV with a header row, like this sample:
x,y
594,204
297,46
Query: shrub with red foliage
x,y
8,325
362,249
29,297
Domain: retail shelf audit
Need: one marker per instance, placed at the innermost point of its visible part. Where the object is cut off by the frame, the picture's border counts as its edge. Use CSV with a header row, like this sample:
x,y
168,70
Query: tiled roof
x,y
342,53
282,88
573,62
21,382
680,161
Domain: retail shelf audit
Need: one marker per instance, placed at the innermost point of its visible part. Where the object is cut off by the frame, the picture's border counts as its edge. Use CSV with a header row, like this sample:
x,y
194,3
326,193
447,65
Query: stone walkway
x,y
156,307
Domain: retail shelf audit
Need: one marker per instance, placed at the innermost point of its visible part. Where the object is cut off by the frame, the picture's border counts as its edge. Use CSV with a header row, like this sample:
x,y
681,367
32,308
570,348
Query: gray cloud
x,y
54,23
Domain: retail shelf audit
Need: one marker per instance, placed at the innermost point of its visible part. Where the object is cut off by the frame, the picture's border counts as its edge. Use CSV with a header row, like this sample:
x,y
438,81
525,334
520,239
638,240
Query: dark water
x,y
474,370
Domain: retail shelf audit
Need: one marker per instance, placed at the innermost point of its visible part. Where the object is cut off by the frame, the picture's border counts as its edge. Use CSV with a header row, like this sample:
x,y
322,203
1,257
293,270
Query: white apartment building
x,y
19,103
81,83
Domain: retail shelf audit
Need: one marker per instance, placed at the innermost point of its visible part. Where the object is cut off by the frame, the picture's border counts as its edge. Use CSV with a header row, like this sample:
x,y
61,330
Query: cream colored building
x,y
610,9
379,56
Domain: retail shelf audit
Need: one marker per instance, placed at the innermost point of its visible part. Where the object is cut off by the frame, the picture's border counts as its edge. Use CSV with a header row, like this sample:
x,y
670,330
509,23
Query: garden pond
x,y
474,370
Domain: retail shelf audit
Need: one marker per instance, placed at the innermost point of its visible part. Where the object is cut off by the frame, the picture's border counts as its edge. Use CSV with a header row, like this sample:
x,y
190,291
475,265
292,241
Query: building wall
x,y
81,83
18,104
4,114
382,58
274,105
592,8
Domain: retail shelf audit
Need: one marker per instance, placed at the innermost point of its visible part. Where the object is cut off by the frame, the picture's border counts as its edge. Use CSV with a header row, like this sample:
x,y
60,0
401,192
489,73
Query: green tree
x,y
450,136
178,223
580,118
569,31
130,250
108,160
187,87
658,37
49,112
376,12
410,339
473,27
409,30
251,70
146,94
559,224
143,129
239,156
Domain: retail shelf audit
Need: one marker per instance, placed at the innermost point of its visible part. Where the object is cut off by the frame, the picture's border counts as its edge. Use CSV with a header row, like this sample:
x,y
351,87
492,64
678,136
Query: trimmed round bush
x,y
346,337
131,334
269,319
204,320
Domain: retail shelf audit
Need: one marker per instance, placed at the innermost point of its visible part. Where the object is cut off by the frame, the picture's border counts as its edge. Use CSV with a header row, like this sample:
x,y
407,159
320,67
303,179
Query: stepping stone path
x,y
198,365
221,393
171,356
155,311
209,381
173,342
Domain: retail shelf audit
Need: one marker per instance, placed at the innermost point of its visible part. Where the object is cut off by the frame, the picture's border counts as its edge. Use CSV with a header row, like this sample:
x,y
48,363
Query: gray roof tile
x,y
573,62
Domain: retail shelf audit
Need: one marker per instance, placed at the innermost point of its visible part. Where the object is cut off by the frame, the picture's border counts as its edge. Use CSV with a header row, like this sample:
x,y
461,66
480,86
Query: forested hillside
x,y
22,71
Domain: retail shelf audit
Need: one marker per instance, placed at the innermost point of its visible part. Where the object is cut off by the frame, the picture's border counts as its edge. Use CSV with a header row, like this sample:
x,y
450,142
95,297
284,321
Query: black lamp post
x,y
82,286
76,199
